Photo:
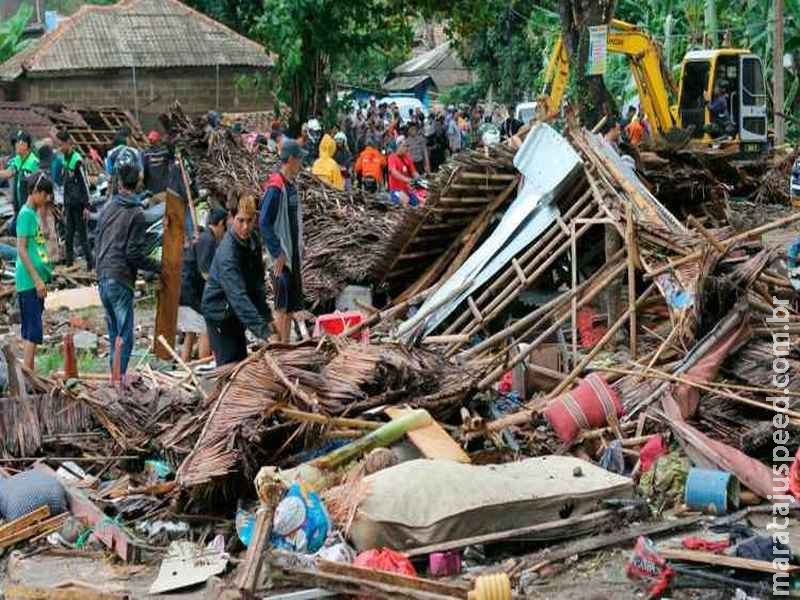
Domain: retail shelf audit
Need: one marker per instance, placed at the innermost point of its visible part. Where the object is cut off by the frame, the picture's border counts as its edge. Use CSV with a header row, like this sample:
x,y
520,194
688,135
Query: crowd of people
x,y
224,277
379,149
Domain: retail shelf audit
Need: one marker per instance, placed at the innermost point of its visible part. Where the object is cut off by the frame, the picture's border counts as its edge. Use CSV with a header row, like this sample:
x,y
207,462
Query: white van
x,y
404,104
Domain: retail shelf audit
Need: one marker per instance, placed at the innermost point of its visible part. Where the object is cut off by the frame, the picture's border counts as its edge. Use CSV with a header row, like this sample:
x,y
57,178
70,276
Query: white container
x,y
346,300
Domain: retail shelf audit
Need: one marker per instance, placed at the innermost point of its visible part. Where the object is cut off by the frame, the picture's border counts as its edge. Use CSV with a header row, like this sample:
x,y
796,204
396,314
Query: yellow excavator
x,y
721,98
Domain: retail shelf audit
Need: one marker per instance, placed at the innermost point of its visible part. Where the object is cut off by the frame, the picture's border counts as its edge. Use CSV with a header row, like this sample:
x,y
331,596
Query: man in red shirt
x,y
402,173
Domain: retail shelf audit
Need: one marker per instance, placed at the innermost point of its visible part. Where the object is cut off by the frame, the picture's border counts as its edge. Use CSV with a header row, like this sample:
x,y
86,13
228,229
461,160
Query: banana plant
x,y
11,31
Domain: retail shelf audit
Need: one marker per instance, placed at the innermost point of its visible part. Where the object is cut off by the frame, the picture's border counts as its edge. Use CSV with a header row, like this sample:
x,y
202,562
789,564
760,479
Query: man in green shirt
x,y
33,268
23,164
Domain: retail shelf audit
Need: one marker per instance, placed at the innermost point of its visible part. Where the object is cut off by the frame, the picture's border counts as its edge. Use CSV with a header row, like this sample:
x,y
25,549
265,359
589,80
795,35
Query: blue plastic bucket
x,y
712,491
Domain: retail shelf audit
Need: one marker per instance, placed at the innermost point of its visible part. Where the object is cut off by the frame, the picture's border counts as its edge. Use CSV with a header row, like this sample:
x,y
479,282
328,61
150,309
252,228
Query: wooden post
x,y
630,242
614,293
777,74
169,292
574,304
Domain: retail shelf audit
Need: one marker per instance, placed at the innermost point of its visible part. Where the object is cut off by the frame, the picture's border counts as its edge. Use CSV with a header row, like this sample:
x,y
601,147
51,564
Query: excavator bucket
x,y
676,138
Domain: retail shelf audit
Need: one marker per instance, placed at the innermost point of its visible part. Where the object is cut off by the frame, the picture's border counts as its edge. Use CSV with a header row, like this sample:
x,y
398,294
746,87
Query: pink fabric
x,y
702,450
650,452
706,369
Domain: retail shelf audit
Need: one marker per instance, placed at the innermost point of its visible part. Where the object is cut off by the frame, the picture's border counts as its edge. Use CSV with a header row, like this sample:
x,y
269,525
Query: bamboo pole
x,y
573,245
630,237
726,243
705,233
542,246
536,315
387,313
498,371
722,391
162,340
505,296
599,345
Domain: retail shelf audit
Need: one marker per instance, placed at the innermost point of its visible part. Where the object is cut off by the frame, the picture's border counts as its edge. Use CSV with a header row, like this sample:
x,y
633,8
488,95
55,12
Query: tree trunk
x,y
589,92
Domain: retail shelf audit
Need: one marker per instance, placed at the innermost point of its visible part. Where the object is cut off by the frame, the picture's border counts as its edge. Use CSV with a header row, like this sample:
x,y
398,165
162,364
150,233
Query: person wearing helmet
x,y
312,142
122,141
370,165
343,157
325,167
121,252
22,165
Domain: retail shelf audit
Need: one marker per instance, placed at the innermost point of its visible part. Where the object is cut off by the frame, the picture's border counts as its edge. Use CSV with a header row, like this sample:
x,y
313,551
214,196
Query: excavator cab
x,y
722,98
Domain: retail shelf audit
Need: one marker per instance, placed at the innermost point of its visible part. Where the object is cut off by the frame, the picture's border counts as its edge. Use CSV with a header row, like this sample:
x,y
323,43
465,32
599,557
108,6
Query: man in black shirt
x,y
157,161
235,298
196,265
76,198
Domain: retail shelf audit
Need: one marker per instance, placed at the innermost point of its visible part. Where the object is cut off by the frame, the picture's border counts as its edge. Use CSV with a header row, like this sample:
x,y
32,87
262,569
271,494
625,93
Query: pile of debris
x,y
349,236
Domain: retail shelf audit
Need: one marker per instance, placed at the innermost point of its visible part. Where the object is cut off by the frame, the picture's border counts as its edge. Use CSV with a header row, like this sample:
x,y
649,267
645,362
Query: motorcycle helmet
x,y
126,166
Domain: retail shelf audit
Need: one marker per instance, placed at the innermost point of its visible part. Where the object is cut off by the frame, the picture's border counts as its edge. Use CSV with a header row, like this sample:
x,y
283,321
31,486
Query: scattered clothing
x,y
713,546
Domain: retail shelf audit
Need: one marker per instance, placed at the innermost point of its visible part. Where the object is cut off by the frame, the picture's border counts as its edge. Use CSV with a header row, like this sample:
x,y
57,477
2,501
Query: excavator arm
x,y
644,56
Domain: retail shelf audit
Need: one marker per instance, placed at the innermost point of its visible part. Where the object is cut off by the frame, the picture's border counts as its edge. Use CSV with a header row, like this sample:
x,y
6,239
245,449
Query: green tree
x,y
504,43
11,31
317,39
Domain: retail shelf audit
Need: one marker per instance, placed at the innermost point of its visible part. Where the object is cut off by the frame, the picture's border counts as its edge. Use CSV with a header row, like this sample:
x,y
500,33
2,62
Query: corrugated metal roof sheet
x,y
140,33
424,62
399,84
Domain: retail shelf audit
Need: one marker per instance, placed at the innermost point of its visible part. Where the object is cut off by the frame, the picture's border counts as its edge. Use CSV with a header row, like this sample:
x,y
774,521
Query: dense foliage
x,y
515,71
11,31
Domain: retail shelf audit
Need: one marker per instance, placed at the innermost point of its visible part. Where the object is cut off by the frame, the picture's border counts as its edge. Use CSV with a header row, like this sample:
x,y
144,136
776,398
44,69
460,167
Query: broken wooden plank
x,y
169,290
592,544
432,440
16,378
254,559
721,560
393,579
24,521
73,299
552,530
27,592
111,534
30,531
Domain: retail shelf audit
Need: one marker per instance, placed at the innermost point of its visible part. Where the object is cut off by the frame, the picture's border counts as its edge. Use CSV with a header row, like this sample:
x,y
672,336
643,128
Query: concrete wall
x,y
156,90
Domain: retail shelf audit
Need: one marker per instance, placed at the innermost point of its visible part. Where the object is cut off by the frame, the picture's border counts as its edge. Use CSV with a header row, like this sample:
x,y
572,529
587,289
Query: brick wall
x,y
157,90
